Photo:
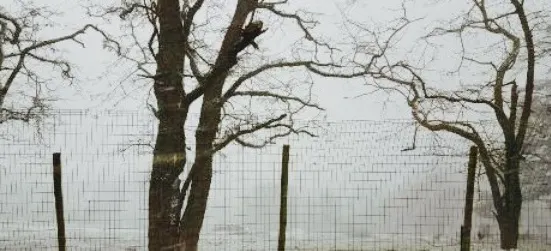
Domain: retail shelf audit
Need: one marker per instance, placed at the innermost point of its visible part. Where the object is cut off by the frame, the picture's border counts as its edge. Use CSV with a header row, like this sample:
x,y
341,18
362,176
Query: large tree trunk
x,y
201,172
508,216
194,214
168,163
205,135
169,155
201,175
508,228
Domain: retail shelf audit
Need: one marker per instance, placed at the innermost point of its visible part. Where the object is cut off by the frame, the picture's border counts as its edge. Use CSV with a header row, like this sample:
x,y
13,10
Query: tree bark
x,y
194,214
169,154
168,163
205,135
508,227
508,216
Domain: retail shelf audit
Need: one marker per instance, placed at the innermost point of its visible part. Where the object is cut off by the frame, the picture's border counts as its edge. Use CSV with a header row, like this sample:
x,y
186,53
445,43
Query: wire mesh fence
x,y
359,185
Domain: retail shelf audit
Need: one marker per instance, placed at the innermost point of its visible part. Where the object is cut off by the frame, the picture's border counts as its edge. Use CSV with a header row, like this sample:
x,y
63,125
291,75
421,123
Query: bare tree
x,y
22,53
535,164
438,107
188,60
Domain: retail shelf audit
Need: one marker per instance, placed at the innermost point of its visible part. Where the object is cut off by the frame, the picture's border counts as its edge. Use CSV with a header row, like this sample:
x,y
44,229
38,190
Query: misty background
x,y
352,187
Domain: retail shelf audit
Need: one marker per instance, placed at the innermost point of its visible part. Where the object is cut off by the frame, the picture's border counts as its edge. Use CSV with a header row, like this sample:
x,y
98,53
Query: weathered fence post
x,y
59,202
283,198
469,197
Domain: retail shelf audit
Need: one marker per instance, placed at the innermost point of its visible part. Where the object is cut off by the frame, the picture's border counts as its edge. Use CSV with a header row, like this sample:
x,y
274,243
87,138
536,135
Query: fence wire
x,y
358,185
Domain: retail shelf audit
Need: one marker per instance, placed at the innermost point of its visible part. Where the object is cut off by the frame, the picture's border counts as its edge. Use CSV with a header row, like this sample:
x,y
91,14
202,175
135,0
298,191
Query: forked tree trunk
x,y
201,172
207,129
508,228
508,216
194,213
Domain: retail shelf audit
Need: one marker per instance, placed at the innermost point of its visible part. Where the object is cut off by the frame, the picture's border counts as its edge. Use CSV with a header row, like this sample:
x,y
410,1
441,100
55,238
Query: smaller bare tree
x,y
22,53
438,106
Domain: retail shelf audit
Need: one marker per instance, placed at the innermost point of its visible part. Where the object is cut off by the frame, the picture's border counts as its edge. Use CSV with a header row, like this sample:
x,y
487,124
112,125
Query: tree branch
x,y
235,135
530,72
27,50
259,70
277,96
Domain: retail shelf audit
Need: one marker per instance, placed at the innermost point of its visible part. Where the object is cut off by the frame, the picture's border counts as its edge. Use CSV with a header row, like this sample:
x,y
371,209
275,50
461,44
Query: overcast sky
x,y
99,72
105,82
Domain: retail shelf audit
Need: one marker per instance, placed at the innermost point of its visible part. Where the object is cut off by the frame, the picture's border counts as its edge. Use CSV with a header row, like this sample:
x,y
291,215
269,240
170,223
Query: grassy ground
x,y
523,246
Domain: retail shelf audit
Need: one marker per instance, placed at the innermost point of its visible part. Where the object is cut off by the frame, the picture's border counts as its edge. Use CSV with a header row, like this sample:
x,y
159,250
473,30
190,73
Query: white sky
x,y
99,73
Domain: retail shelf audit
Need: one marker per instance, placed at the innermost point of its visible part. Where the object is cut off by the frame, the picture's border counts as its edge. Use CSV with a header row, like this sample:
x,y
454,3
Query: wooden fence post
x,y
61,240
283,198
469,197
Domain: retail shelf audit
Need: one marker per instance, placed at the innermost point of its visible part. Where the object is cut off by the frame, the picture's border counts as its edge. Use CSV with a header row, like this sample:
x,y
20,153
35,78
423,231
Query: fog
x,y
353,184
352,187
